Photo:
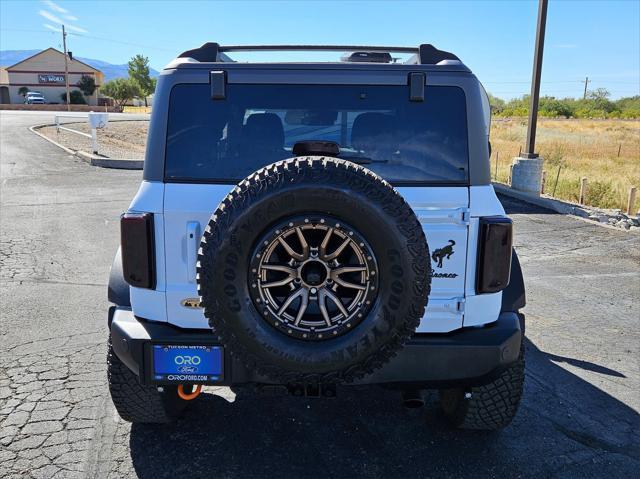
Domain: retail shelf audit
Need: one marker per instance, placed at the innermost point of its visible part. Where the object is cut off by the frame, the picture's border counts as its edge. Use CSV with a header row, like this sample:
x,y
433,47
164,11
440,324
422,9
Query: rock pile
x,y
612,217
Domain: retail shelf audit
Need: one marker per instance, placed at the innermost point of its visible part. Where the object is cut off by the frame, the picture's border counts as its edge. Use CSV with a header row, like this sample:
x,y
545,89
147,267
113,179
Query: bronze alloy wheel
x,y
313,270
313,277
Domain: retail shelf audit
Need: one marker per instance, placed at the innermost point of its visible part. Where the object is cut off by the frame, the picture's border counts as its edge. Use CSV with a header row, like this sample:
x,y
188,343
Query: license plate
x,y
181,363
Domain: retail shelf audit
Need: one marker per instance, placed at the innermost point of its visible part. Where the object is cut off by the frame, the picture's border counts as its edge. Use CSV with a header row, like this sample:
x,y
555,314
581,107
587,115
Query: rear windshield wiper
x,y
362,160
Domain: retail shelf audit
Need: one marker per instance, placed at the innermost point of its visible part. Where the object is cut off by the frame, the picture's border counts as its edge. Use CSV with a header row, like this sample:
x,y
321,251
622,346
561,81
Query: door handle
x,y
193,240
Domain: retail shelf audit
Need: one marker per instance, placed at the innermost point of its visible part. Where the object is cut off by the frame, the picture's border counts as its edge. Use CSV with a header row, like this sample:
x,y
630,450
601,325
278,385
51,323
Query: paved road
x,y
58,232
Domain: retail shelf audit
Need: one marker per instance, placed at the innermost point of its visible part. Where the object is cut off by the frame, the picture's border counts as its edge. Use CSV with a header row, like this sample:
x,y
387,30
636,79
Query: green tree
x,y
23,90
75,98
598,94
87,85
497,104
596,105
629,107
139,73
121,90
553,107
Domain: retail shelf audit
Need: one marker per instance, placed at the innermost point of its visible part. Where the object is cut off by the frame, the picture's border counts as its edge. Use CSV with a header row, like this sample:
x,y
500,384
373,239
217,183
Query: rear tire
x,y
137,403
490,407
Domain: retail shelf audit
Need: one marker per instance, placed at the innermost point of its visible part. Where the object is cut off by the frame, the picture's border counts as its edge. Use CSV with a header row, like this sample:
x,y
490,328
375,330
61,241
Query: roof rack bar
x,y
308,48
425,54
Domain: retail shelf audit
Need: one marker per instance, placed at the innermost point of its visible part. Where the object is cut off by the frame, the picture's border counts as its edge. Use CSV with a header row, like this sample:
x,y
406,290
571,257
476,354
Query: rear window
x,y
377,126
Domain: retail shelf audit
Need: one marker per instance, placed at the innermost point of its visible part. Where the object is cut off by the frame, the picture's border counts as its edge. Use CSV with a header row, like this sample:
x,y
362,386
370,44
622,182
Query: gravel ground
x,y
58,233
120,139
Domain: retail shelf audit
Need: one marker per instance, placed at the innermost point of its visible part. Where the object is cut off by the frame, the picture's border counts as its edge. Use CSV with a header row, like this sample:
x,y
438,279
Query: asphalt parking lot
x,y
58,233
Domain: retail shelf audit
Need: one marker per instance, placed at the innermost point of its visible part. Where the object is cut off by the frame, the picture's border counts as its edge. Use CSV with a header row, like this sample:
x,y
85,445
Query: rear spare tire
x,y
314,270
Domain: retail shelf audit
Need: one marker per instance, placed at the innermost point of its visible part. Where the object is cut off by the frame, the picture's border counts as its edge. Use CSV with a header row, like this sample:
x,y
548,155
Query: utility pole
x,y
535,81
586,83
66,66
526,170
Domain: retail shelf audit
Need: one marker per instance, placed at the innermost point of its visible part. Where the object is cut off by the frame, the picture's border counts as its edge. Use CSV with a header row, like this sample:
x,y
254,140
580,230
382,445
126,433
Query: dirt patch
x,y
119,139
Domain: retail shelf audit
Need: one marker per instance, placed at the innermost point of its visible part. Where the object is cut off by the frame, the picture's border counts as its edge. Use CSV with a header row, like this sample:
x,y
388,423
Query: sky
x,y
598,39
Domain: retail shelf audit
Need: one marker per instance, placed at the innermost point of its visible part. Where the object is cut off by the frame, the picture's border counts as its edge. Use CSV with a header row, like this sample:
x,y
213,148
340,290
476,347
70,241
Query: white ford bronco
x,y
303,226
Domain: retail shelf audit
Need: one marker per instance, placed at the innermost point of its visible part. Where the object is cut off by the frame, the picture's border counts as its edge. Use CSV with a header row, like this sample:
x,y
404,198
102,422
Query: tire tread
x,y
133,401
318,170
491,406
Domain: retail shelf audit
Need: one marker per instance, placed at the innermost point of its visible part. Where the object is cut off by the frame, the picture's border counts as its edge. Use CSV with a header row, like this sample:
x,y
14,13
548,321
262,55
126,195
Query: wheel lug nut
x,y
314,290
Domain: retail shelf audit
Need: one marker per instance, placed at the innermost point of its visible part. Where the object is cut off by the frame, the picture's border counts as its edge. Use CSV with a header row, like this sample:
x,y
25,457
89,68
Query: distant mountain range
x,y
111,71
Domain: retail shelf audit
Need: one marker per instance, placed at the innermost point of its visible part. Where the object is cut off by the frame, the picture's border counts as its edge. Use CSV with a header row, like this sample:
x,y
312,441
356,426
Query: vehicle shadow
x,y
565,427
513,206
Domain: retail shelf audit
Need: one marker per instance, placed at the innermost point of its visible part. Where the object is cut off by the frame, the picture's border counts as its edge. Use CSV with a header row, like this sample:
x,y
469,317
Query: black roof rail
x,y
430,55
426,53
206,53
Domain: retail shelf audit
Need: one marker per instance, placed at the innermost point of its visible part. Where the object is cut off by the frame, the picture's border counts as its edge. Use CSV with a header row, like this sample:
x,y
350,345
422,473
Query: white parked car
x,y
34,98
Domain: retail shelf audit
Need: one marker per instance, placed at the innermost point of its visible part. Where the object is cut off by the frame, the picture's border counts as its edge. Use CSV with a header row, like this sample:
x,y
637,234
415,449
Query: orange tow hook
x,y
189,396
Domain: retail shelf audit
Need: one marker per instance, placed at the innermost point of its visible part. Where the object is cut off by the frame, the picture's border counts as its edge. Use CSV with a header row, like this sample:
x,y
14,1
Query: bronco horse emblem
x,y
441,253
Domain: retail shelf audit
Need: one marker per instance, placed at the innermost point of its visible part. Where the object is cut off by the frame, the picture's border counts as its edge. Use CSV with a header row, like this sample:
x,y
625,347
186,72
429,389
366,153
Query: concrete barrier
x,y
526,175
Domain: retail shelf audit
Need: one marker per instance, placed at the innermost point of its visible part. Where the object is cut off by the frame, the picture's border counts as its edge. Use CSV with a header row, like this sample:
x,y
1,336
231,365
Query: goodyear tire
x,y
314,270
489,407
137,403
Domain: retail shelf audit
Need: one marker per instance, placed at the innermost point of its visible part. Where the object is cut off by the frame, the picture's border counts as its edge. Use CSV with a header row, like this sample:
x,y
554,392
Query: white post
x,y
94,140
57,124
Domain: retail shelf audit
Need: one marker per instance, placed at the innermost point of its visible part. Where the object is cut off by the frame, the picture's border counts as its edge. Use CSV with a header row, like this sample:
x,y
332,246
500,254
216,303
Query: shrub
x,y
121,90
87,85
596,105
602,194
75,98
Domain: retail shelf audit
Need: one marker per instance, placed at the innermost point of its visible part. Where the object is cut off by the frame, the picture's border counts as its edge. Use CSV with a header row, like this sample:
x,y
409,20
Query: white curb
x,y
562,207
93,160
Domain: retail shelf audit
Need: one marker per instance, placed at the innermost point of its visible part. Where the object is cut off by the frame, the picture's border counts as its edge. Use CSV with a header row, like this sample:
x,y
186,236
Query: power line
x,y
93,37
527,82
497,82
591,79
618,82
26,30
120,42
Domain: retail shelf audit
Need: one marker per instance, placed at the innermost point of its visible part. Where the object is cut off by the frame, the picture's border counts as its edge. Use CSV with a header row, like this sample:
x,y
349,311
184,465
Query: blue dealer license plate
x,y
182,363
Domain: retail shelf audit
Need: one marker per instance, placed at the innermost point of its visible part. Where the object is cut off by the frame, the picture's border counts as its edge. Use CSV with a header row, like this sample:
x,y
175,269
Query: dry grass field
x,y
136,109
580,148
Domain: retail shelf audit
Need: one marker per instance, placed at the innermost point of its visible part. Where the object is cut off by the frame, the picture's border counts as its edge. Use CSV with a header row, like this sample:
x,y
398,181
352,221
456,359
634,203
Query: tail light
x,y
137,249
494,254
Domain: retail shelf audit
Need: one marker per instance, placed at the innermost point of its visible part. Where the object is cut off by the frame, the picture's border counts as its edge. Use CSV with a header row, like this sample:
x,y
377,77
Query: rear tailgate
x,y
443,212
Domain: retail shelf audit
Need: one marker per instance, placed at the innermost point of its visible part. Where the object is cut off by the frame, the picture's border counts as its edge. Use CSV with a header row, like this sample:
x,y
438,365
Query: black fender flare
x,y
118,289
513,296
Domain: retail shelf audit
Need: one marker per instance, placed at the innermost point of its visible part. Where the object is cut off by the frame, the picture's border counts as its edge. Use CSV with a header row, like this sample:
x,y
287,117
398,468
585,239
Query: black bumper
x,y
469,356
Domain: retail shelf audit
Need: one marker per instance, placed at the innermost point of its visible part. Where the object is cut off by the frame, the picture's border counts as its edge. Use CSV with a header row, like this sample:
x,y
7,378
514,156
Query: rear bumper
x,y
470,356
